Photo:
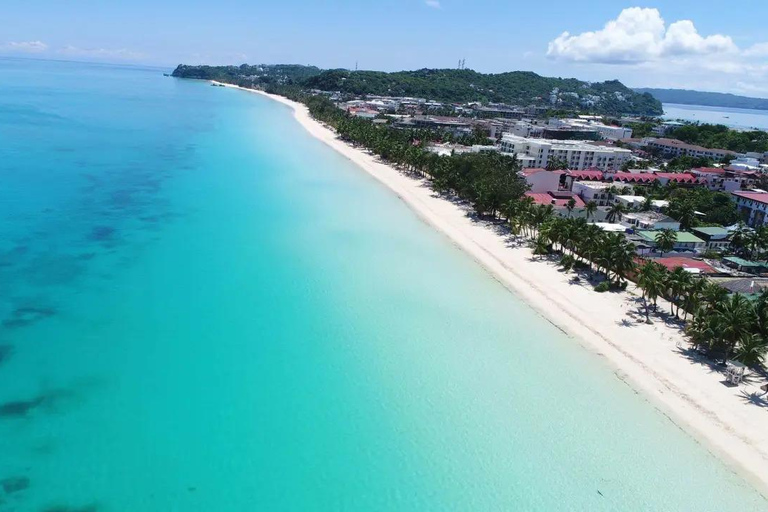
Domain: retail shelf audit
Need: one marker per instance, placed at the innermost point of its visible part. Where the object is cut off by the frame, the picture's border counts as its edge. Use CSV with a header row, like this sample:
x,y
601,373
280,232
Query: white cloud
x,y
435,4
757,50
99,53
24,47
639,35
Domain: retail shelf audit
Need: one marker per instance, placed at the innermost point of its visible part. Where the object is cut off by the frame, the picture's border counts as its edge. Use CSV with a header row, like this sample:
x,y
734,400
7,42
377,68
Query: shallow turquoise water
x,y
210,310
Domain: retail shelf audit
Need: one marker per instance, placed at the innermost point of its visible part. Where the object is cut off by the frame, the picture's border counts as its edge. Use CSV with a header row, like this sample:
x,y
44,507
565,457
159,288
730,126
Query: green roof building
x,y
742,265
685,241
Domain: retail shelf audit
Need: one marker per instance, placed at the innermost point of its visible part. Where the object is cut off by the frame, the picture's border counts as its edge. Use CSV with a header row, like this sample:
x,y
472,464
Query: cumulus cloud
x,y
638,35
435,4
24,47
758,50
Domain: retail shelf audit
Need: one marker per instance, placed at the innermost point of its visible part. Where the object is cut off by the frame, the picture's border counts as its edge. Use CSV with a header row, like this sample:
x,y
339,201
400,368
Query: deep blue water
x,y
742,118
203,308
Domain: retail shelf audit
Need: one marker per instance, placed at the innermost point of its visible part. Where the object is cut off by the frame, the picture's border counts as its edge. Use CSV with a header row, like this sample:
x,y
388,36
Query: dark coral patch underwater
x,y
26,315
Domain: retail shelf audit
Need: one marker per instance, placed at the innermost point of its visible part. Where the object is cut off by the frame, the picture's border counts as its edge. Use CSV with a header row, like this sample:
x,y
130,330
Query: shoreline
x,y
645,357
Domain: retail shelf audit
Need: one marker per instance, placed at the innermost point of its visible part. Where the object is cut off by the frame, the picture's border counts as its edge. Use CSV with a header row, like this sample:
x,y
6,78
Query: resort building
x,y
499,112
585,175
602,131
576,155
666,127
752,207
649,221
448,149
597,191
457,126
674,147
637,202
725,180
663,178
745,163
611,227
717,239
557,198
542,180
685,241
525,129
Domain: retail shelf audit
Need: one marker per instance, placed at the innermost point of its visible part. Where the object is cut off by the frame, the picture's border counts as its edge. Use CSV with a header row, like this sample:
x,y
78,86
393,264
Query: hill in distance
x,y
446,85
709,99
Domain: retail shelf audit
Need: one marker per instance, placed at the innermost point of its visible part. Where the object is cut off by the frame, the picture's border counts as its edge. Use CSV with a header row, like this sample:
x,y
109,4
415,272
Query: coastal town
x,y
618,201
592,167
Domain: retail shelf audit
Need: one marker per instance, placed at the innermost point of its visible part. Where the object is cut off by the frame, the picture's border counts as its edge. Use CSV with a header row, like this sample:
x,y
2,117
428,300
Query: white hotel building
x,y
577,154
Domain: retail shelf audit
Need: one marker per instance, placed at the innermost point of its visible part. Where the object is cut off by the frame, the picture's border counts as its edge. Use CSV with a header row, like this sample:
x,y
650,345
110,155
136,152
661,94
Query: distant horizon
x,y
678,45
171,67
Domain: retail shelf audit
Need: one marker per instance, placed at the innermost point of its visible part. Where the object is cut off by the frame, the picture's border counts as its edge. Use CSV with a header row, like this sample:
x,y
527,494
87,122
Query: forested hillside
x,y
447,85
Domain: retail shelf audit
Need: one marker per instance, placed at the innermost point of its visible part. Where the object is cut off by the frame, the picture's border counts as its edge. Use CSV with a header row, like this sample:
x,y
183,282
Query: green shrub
x,y
603,287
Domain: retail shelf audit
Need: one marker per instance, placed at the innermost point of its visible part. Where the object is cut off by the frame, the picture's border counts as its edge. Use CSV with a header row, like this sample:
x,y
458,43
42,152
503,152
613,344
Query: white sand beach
x,y
732,422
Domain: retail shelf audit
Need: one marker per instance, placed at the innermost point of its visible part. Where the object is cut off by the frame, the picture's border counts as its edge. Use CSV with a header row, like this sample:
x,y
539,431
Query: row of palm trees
x,y
720,323
488,180
575,238
750,243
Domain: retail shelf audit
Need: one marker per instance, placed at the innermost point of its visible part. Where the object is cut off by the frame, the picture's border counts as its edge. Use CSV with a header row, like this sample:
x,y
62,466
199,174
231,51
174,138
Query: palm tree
x,y
616,209
739,238
567,262
666,239
590,209
541,245
733,320
678,284
752,349
701,329
693,298
556,164
649,279
570,205
647,204
684,212
618,255
713,295
752,243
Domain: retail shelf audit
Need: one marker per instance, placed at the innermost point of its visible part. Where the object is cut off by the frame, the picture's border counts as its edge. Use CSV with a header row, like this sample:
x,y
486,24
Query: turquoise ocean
x,y
202,308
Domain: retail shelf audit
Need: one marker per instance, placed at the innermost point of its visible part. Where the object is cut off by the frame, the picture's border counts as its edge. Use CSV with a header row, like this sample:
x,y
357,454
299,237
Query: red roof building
x,y
759,197
752,206
677,177
633,177
556,198
587,175
690,264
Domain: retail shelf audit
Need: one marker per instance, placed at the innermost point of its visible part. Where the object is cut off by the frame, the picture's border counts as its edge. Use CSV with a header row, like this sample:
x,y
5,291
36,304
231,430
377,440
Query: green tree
x,y
733,319
666,239
590,209
570,205
617,209
650,279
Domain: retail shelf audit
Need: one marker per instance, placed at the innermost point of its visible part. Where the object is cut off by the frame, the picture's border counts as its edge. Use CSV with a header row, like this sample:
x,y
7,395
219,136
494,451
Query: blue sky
x,y
702,44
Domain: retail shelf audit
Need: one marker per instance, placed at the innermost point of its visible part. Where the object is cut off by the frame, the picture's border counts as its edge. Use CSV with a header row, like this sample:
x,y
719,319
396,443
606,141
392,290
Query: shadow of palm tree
x,y
758,399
